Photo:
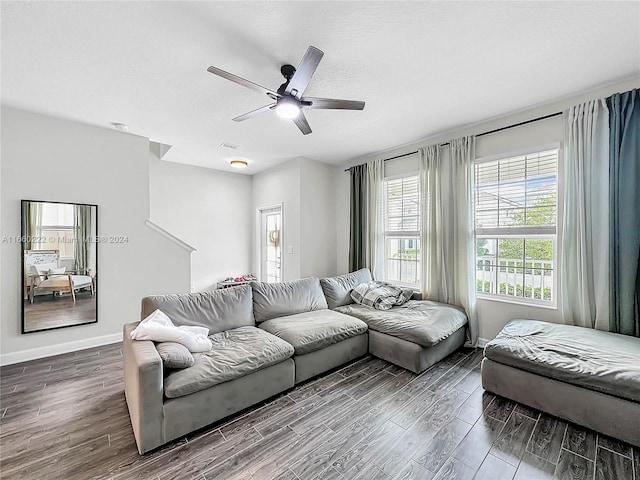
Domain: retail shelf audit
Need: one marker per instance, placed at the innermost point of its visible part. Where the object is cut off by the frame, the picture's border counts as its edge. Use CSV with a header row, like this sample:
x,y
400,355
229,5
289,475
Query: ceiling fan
x,y
288,99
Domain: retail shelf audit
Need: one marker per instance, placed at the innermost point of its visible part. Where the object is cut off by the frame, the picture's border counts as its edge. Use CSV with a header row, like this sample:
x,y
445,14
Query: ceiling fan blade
x,y
303,125
304,72
243,82
255,112
332,103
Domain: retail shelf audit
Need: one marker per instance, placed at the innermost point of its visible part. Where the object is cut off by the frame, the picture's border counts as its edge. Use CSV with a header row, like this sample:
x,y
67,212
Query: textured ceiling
x,y
421,67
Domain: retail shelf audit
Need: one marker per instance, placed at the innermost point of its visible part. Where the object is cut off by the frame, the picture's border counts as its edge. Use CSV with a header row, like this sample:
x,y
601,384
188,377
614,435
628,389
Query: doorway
x,y
270,243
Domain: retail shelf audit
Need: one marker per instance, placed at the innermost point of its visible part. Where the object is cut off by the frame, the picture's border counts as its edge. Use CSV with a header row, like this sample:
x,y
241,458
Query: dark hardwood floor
x,y
65,417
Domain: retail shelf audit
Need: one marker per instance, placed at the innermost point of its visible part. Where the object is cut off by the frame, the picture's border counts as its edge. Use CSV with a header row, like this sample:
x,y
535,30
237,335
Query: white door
x,y
270,239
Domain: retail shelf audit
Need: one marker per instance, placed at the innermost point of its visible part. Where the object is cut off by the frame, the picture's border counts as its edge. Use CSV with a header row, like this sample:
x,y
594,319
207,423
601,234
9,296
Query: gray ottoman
x,y
586,376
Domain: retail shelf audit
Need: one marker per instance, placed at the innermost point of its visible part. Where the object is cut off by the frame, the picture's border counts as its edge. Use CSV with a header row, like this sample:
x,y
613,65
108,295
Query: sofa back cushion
x,y
271,300
338,289
217,310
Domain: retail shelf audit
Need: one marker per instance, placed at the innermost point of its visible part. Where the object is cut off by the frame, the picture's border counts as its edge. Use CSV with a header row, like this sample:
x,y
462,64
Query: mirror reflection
x,y
59,260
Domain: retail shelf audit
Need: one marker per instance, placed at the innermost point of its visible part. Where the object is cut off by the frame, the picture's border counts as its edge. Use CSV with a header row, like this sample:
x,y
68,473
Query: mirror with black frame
x,y
59,265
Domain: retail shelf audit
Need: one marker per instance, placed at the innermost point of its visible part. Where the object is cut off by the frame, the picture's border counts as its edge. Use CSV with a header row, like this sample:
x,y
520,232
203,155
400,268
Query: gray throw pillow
x,y
407,293
175,355
379,295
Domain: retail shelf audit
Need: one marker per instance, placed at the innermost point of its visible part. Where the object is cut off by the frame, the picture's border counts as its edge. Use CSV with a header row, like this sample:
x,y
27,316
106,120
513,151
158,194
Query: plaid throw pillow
x,y
379,295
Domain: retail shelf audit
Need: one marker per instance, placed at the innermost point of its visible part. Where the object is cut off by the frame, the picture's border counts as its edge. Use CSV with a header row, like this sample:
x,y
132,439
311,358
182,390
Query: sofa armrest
x,y
143,387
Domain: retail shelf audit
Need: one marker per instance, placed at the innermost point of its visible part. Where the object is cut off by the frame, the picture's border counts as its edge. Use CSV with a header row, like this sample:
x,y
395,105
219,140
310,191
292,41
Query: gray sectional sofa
x,y
586,376
267,338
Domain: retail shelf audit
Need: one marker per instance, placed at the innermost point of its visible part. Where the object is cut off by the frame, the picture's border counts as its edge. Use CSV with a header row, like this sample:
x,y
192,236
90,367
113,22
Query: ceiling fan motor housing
x,y
287,72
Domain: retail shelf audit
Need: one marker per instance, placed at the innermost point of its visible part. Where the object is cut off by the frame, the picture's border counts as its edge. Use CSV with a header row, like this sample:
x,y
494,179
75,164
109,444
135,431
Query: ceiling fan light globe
x,y
287,110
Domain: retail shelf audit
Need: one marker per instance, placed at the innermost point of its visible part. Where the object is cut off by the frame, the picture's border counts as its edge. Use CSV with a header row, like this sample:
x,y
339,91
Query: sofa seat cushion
x,y
601,361
235,353
311,331
419,321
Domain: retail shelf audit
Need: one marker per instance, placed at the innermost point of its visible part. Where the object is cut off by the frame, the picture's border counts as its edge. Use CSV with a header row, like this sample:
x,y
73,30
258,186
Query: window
x,y
58,228
402,231
515,222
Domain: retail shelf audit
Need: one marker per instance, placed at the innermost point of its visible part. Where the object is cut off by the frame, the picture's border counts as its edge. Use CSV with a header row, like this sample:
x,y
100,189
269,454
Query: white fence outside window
x,y
515,277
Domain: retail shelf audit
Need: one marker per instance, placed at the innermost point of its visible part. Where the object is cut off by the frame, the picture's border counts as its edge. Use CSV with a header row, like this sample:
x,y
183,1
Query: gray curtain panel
x,y
27,226
32,215
585,268
459,240
624,194
448,269
82,227
358,217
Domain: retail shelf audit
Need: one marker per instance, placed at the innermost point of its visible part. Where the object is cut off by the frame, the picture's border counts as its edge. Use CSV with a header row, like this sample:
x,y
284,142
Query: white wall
x,y
305,189
492,315
280,185
45,158
317,220
211,211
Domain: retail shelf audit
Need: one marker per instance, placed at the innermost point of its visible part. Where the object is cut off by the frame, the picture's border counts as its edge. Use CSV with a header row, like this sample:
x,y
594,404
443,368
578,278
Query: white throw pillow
x,y
158,316
57,271
158,327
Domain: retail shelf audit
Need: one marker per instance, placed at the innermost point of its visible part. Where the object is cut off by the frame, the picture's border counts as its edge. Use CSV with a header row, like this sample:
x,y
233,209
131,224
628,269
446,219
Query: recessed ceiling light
x,y
229,145
120,126
238,164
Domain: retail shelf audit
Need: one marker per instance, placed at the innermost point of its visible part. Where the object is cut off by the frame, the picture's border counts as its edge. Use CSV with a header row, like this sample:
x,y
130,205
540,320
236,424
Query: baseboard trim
x,y
482,342
58,349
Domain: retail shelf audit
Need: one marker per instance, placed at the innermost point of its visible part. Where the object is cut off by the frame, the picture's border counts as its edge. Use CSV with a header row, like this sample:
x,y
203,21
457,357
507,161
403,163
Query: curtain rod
x,y
482,134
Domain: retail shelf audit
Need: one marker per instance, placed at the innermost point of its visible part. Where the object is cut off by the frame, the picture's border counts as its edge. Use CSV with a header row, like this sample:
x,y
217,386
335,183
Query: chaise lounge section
x,y
586,376
414,335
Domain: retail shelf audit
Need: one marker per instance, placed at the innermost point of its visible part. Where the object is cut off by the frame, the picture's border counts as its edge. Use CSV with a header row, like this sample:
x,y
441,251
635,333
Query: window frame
x,y
524,232
60,228
402,234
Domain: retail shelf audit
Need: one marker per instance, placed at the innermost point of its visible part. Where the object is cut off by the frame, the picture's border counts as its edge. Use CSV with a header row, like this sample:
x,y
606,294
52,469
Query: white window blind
x,y
57,215
402,204
58,228
402,230
515,220
517,192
